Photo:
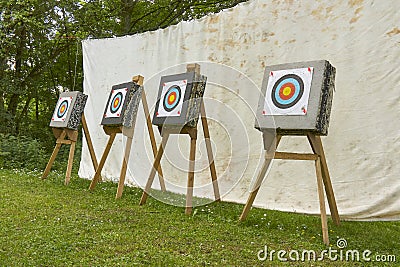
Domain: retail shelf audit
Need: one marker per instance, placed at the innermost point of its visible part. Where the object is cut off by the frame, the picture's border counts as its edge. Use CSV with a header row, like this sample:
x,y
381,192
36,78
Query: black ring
x,y
294,102
58,111
119,94
177,99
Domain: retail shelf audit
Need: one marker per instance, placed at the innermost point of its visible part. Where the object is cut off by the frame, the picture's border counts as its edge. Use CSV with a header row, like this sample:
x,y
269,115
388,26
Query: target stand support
x,y
322,173
112,131
69,137
165,132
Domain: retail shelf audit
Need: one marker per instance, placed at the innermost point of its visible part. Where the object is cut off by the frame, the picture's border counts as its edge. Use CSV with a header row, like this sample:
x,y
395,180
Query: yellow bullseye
x,y
286,91
171,98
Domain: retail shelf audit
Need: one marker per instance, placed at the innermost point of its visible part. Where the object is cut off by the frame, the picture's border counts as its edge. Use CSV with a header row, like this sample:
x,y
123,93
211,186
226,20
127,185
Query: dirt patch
x,y
353,3
393,32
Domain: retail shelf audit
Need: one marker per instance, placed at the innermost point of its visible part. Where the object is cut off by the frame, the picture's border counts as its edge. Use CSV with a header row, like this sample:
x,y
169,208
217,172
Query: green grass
x,y
44,223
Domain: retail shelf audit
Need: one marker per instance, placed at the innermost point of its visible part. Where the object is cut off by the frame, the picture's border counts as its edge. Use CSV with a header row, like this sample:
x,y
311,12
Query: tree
x,y
29,47
40,52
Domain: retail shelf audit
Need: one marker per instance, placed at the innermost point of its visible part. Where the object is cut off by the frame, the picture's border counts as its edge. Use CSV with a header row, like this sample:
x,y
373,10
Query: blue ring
x,y
60,115
117,95
295,95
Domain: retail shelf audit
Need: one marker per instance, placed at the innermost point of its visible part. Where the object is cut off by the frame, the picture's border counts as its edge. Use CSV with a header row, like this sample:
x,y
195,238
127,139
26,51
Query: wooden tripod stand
x,y
322,173
112,131
61,134
165,131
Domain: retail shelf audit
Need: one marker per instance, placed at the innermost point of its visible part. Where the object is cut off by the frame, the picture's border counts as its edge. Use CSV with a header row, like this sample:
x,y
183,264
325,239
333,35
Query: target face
x,y
288,92
116,103
61,110
172,99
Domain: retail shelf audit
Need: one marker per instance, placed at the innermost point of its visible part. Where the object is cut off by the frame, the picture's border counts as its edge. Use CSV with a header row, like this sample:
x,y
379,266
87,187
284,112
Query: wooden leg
x,y
256,187
161,177
124,167
267,161
209,152
152,139
51,161
321,197
316,144
190,183
102,161
89,142
156,163
53,155
70,163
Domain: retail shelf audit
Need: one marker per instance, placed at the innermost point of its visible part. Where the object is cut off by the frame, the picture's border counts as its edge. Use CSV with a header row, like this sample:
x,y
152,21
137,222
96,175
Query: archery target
x,y
288,92
116,103
61,111
171,100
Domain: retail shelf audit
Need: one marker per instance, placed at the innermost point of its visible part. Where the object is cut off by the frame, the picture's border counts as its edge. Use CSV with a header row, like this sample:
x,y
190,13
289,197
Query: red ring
x,y
292,90
168,97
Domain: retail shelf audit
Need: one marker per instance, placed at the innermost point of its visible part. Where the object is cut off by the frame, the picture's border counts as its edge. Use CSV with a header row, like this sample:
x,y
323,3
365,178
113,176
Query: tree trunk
x,y
14,99
127,13
23,113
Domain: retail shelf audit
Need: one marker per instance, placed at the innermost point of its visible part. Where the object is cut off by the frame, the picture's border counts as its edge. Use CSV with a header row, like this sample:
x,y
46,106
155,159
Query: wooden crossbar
x,y
323,180
72,135
292,156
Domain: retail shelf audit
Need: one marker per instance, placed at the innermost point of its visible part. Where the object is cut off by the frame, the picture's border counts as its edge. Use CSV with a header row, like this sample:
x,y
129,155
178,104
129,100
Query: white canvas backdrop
x,y
360,38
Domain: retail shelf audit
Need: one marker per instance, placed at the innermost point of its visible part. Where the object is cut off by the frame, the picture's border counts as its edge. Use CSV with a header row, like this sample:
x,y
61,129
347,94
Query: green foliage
x,y
24,152
44,223
21,152
40,49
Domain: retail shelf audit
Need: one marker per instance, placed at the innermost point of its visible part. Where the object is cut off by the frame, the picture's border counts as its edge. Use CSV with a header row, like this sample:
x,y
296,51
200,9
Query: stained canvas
x,y
359,38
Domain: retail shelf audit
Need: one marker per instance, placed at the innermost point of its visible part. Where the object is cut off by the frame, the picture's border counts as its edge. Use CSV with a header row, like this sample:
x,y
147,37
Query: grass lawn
x,y
44,223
